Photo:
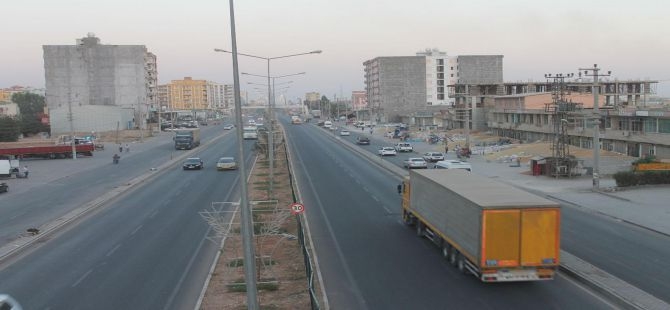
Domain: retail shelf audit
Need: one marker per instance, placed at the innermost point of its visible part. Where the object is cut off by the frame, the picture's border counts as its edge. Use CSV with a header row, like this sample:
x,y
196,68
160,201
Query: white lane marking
x,y
82,277
113,250
136,229
153,214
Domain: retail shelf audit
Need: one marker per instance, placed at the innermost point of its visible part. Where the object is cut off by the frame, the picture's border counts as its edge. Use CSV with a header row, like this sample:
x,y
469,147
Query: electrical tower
x,y
561,163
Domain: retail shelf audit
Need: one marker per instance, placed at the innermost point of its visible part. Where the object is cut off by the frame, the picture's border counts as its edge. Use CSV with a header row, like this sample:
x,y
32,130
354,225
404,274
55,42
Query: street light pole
x,y
270,100
596,122
246,216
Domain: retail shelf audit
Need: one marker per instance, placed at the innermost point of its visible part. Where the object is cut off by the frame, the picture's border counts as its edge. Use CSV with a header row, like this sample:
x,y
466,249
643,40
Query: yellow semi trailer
x,y
487,228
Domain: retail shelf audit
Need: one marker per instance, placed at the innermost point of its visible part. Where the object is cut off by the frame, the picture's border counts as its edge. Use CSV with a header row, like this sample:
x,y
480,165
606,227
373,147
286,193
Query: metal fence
x,y
303,243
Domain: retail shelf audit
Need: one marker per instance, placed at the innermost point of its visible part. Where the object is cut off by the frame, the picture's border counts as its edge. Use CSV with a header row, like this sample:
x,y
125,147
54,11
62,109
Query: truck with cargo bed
x,y
495,231
47,151
186,139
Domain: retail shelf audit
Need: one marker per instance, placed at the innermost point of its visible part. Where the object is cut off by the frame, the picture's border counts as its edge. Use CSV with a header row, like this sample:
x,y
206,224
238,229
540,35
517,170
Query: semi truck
x,y
495,231
186,139
47,151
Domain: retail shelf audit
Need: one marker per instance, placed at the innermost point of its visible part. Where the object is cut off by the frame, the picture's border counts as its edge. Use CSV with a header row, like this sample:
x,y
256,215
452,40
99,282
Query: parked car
x,y
226,163
345,133
415,162
433,156
193,163
228,127
404,147
387,151
363,140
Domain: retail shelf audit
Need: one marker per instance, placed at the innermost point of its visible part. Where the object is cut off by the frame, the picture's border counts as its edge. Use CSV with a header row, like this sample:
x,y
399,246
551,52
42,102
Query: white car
x,y
433,156
415,162
386,151
228,127
345,133
404,147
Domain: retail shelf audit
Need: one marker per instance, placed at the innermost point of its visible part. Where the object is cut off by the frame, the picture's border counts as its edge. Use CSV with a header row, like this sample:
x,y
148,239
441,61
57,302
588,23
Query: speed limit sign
x,y
297,208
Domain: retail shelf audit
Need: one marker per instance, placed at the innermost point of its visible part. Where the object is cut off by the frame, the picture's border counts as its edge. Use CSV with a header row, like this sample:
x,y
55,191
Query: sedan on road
x,y
228,127
345,133
363,140
415,162
433,157
193,163
226,163
386,151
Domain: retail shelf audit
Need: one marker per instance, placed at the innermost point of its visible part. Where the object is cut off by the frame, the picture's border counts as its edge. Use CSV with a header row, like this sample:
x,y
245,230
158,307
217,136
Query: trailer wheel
x,y
446,249
52,156
453,257
407,218
419,229
461,264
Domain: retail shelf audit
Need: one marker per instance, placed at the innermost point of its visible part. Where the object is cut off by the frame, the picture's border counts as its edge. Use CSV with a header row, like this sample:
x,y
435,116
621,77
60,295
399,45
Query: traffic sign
x,y
297,208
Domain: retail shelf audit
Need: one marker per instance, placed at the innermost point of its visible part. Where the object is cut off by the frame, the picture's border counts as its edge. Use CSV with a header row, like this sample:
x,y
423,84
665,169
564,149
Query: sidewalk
x,y
640,206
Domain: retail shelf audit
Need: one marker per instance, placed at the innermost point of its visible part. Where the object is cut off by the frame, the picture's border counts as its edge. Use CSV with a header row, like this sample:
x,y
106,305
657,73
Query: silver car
x,y
433,157
415,163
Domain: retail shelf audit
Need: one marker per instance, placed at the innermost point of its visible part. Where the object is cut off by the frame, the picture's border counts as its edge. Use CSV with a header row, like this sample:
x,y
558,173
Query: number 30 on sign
x,y
297,208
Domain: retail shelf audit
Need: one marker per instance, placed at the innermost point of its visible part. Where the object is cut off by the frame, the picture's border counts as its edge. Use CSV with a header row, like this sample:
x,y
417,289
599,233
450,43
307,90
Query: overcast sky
x,y
630,38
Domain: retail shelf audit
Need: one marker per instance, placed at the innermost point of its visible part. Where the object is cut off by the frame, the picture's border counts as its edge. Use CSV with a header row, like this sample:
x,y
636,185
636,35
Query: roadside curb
x,y
614,289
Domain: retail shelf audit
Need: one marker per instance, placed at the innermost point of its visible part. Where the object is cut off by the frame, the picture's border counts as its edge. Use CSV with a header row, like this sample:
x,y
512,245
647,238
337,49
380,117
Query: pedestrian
x,y
127,148
120,148
446,149
25,171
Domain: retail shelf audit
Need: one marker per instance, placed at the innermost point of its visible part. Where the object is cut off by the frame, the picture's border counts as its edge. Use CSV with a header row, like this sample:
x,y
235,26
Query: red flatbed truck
x,y
48,151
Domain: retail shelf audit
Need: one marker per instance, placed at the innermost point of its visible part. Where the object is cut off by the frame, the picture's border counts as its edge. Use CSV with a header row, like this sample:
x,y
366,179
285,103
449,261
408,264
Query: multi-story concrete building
x,y
359,100
216,96
102,85
229,96
627,125
395,86
312,96
163,97
189,94
151,81
436,77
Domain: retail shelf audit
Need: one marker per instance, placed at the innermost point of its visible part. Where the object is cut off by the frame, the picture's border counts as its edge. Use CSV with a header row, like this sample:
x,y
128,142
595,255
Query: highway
x,y
370,260
147,249
613,246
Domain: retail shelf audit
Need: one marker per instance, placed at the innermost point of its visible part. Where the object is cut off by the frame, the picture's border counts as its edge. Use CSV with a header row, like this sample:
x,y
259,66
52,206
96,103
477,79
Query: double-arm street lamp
x,y
271,145
270,114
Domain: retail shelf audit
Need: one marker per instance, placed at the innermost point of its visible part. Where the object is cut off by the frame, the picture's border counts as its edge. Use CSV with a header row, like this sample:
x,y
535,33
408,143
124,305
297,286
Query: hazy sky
x,y
630,38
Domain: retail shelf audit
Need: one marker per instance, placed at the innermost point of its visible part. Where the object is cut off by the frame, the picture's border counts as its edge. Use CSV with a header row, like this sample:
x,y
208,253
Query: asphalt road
x,y
633,254
146,250
370,260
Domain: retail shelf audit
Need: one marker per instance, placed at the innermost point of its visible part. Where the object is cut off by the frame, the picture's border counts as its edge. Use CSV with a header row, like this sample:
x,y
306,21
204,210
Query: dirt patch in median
x,y
281,278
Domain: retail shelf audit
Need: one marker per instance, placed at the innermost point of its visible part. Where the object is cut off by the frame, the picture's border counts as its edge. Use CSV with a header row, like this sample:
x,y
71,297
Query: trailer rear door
x,y
500,238
540,237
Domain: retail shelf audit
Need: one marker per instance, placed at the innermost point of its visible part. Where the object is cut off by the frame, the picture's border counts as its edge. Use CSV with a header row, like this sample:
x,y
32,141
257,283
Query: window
x,y
664,125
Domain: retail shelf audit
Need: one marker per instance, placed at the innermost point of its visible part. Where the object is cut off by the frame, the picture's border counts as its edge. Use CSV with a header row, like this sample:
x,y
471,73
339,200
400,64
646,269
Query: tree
x,y
31,107
9,129
325,105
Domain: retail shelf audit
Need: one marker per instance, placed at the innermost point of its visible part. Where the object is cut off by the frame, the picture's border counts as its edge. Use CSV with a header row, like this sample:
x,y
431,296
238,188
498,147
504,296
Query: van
x,y
327,124
453,164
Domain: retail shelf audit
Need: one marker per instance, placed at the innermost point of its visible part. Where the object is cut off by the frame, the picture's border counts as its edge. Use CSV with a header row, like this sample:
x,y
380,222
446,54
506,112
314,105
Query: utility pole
x,y
71,118
594,72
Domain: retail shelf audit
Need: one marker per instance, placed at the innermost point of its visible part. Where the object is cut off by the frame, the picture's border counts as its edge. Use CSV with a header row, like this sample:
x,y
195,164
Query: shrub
x,y
628,178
